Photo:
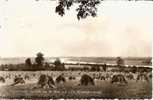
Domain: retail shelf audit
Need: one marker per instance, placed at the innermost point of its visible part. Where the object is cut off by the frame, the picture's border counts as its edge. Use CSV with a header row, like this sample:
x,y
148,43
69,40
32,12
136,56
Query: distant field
x,y
70,89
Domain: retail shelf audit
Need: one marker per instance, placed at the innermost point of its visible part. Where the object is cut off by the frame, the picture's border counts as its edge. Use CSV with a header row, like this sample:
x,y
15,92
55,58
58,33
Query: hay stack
x,y
142,76
46,81
86,80
119,78
60,79
2,79
18,80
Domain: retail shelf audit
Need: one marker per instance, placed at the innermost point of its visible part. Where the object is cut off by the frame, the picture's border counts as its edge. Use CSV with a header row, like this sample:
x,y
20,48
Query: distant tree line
x,y
40,64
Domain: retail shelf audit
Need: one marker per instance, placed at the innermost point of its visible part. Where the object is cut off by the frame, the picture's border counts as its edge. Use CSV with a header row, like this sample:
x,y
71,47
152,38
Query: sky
x,y
120,29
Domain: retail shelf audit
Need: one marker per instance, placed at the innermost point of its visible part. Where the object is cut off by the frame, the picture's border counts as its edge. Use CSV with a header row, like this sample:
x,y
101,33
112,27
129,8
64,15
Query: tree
x,y
28,62
59,65
39,60
119,61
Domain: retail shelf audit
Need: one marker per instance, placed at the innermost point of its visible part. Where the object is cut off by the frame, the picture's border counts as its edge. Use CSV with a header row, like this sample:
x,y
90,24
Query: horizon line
x,y
77,56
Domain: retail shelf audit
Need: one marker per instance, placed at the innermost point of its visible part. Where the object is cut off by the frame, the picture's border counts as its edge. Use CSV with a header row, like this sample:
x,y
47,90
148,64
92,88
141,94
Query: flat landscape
x,y
71,89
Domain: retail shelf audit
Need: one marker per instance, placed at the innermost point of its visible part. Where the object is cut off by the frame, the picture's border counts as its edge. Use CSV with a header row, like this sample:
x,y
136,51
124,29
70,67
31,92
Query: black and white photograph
x,y
76,49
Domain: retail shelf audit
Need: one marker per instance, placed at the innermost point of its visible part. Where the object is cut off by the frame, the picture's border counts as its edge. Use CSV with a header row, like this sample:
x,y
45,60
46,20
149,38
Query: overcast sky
x,y
120,29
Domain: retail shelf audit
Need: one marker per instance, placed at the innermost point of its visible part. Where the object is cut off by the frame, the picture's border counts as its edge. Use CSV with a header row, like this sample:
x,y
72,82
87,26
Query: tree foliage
x,y
59,65
28,62
39,59
85,7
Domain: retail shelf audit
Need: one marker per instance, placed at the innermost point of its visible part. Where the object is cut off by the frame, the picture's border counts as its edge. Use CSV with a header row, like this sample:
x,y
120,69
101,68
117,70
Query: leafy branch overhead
x,y
86,7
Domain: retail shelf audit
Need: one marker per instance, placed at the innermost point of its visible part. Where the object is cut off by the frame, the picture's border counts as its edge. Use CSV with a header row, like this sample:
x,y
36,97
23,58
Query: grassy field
x,y
71,89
